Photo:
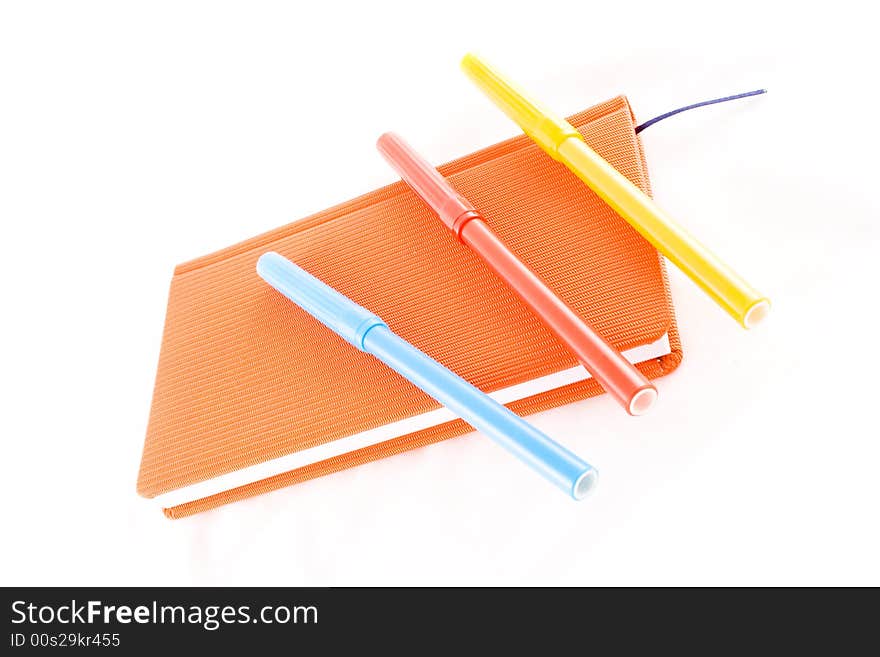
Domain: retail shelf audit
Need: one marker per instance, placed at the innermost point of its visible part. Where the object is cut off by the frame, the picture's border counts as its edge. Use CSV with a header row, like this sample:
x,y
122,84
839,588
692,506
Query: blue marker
x,y
368,333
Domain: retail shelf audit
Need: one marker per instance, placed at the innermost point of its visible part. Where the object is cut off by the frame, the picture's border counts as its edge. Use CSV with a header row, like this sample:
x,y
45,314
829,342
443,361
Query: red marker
x,y
616,374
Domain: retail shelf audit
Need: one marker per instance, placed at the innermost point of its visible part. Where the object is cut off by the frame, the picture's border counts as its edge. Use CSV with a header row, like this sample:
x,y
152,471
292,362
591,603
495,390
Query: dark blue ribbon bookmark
x,y
650,122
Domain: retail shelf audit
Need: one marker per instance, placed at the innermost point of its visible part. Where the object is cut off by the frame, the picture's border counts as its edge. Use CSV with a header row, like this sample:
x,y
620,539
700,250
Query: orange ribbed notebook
x,y
252,394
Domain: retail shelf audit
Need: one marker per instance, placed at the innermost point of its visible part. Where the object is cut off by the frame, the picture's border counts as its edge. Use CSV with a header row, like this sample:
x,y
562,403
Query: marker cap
x,y
424,179
333,309
547,129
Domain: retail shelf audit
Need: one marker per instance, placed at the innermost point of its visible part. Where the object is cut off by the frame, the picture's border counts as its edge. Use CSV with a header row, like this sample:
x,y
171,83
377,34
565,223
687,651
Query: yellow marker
x,y
564,143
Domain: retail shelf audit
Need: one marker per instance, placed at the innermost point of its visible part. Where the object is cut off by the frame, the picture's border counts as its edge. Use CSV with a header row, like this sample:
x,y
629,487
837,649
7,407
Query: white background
x,y
134,136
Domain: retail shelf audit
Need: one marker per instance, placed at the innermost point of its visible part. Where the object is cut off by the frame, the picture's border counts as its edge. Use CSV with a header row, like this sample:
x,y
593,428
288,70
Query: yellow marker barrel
x,y
563,142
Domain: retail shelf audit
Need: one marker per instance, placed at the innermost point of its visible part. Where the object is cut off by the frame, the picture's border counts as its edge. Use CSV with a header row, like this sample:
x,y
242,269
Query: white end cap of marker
x,y
585,483
756,314
642,401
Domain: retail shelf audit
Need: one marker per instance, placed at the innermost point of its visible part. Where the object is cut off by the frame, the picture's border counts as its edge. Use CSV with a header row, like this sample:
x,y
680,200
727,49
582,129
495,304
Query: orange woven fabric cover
x,y
245,376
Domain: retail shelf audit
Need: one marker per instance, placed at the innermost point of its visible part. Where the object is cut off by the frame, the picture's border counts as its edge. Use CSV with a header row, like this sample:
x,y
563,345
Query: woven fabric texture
x,y
245,376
